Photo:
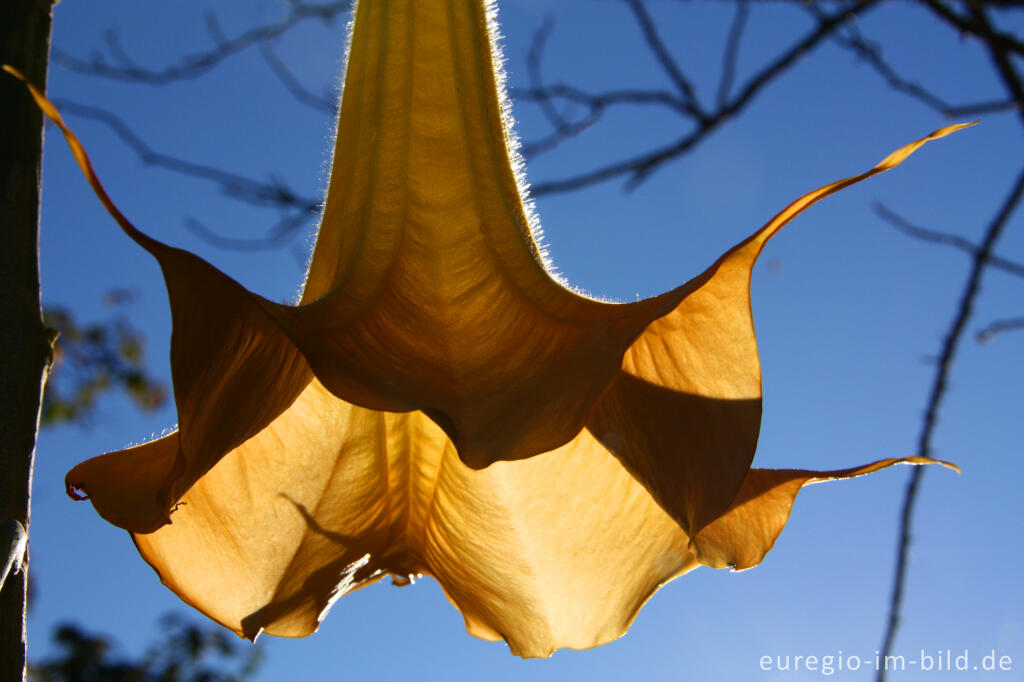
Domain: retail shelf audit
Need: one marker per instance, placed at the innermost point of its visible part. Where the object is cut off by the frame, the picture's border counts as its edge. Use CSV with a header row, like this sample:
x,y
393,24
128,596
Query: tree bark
x,y
25,346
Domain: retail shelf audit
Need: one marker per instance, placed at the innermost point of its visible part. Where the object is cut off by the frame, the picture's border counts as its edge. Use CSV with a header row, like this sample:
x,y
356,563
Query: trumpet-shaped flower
x,y
437,403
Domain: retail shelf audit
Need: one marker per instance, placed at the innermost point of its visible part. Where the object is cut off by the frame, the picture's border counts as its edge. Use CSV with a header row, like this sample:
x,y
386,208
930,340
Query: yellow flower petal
x,y
684,412
741,537
331,497
560,550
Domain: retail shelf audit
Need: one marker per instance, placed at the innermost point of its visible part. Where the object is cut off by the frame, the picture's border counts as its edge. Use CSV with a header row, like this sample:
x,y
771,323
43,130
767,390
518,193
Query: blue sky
x,y
849,316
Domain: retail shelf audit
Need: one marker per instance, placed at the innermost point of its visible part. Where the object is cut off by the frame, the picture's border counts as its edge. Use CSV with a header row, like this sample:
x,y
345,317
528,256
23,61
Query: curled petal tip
x,y
14,72
929,460
952,128
74,490
901,154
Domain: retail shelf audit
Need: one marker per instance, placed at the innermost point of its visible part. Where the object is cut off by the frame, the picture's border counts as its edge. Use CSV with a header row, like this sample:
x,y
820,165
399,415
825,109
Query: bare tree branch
x,y
324,103
276,234
732,50
274,194
299,209
871,53
936,237
564,128
604,99
640,166
561,134
214,29
667,62
999,51
595,106
999,46
971,26
636,168
998,327
950,345
534,59
191,66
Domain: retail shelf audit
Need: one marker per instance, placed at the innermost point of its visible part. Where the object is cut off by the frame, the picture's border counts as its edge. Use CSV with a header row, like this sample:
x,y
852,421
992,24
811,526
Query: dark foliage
x,y
187,652
92,358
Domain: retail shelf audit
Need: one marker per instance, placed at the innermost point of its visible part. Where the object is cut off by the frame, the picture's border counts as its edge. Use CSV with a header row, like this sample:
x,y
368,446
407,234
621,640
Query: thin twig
x,y
999,51
322,103
640,166
274,194
534,59
604,99
998,327
280,232
667,62
970,26
732,50
595,106
826,26
299,210
192,66
936,237
950,345
558,136
871,53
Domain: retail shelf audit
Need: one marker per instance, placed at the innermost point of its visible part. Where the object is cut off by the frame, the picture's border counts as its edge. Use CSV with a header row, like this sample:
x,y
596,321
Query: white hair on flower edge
x,y
512,145
512,142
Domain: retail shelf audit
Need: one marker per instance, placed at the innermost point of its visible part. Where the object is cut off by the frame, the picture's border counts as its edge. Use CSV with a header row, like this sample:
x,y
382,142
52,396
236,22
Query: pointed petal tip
x,y
14,72
901,154
952,128
913,460
741,537
920,461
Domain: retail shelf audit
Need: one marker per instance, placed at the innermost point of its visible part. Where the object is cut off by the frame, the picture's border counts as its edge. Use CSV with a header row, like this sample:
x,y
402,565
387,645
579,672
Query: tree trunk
x,y
24,342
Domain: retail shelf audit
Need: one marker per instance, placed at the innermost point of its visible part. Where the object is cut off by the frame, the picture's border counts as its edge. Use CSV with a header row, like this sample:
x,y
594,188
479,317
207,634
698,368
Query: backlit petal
x,y
325,445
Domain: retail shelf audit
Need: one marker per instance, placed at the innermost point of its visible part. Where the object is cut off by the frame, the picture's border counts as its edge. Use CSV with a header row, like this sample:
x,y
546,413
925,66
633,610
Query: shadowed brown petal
x,y
324,445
